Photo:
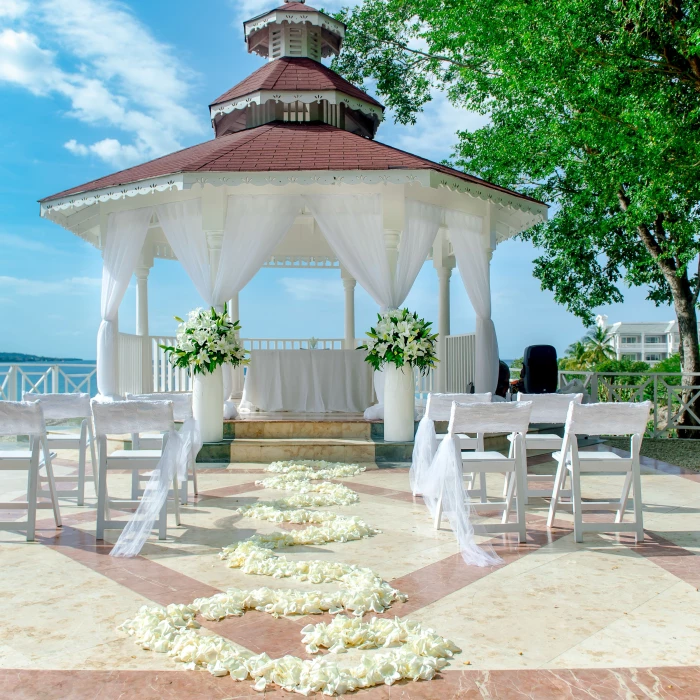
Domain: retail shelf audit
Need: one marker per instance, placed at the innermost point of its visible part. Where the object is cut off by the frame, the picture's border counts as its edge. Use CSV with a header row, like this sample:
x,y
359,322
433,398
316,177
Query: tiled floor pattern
x,y
606,619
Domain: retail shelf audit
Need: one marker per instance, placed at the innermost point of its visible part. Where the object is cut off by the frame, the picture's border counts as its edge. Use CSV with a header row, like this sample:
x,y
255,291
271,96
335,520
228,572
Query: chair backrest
x,y
123,417
439,406
60,406
182,402
21,418
608,418
550,408
502,417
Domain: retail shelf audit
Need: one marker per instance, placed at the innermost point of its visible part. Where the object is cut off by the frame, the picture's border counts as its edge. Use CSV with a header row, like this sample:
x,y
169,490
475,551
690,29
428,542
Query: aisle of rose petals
x,y
409,650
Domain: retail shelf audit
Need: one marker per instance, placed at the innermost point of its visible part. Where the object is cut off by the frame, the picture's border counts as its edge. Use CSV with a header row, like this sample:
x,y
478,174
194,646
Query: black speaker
x,y
541,370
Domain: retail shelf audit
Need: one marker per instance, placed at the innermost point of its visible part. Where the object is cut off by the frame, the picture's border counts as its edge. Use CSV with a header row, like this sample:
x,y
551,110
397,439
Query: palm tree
x,y
576,356
598,344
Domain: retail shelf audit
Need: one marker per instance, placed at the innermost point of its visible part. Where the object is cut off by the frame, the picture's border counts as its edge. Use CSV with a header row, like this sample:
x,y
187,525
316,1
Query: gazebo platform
x,y
336,437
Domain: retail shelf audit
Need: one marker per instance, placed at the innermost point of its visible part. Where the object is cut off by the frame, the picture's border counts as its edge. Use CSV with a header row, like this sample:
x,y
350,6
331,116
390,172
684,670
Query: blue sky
x,y
91,86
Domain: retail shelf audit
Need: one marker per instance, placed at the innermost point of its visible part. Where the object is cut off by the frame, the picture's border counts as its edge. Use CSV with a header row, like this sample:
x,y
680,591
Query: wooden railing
x,y
16,379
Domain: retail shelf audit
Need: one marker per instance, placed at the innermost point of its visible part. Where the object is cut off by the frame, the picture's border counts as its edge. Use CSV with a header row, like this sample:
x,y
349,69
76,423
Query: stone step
x,y
294,429
266,450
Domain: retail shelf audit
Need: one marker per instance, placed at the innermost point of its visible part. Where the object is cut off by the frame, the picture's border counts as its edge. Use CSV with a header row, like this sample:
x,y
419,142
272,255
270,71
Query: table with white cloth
x,y
307,381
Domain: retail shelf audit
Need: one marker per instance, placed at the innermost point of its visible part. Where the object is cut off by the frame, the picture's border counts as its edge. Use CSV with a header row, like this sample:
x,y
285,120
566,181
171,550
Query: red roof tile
x,y
279,147
294,74
297,7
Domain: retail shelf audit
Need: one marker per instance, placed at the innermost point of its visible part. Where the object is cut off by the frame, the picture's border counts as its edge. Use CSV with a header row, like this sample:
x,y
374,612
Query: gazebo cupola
x,y
295,86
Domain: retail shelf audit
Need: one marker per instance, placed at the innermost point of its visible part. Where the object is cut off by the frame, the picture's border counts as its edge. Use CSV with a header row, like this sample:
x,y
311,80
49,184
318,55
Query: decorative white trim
x,y
185,181
316,19
334,97
297,261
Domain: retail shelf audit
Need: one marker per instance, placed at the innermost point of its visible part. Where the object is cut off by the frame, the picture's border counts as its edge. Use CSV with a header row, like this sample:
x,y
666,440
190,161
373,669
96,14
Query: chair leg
x,y
510,481
559,480
101,499
93,457
135,484
520,479
482,487
576,501
638,509
52,485
194,477
623,498
438,513
32,487
82,455
163,522
176,500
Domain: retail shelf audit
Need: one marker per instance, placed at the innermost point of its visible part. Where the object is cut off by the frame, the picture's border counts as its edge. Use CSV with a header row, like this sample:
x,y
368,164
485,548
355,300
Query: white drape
x,y
422,224
254,227
353,226
475,269
182,224
124,238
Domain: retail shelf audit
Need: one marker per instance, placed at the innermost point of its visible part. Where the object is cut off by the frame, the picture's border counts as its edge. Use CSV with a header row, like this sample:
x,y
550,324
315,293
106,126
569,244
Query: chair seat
x,y
59,437
135,454
600,462
15,454
545,438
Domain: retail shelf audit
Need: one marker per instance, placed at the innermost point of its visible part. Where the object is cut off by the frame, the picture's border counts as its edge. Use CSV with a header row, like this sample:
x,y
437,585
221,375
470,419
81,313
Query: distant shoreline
x,y
22,357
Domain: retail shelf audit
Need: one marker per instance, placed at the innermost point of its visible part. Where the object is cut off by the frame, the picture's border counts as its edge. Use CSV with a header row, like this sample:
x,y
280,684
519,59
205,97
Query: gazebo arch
x,y
294,176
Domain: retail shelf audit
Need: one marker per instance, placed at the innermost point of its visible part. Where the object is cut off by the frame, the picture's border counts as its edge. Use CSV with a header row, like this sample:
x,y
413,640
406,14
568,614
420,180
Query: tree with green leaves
x,y
594,107
598,344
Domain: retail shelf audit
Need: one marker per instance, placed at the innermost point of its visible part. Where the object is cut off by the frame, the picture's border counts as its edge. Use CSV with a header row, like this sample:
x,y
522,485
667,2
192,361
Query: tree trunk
x,y
684,303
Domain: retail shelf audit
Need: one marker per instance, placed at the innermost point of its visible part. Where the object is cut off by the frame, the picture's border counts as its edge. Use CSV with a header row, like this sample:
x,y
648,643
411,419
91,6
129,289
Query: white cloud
x,y
434,134
9,240
124,77
19,286
312,289
13,9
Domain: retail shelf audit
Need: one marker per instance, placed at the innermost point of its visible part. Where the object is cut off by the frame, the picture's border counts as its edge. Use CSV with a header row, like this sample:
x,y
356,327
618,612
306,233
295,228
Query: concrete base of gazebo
x,y
346,438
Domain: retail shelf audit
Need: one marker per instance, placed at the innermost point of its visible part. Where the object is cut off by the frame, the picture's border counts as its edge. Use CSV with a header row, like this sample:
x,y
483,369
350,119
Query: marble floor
x,y
604,619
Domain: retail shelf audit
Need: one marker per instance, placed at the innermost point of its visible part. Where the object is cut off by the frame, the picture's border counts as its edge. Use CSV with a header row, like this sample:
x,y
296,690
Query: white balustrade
x,y
16,379
460,360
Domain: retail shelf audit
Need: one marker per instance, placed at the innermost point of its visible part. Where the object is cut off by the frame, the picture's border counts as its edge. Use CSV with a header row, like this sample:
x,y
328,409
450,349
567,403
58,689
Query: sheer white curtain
x,y
182,224
475,269
255,225
353,226
422,224
124,238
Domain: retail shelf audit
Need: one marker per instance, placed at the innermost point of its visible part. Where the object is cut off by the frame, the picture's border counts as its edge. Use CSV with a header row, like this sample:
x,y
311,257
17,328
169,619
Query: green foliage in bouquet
x,y
402,339
205,341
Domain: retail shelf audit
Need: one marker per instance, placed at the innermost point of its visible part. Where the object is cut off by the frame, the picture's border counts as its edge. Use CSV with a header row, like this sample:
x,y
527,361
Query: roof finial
x,y
301,1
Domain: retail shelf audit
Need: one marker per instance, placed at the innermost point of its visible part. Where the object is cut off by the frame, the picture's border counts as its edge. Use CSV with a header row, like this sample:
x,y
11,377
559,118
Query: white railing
x,y
460,362
134,364
17,379
165,376
293,343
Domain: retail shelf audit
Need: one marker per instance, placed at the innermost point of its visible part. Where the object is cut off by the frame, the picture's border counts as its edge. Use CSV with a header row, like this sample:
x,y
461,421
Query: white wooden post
x,y
444,275
141,273
237,376
349,284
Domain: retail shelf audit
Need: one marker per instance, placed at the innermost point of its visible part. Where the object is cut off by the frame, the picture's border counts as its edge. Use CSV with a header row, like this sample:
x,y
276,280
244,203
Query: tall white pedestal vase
x,y
399,344
399,403
207,344
208,404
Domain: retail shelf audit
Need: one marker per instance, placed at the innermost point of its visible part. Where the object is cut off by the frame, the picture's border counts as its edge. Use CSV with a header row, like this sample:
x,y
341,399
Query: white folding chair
x,y
68,407
488,419
439,408
546,408
130,417
602,419
182,411
18,418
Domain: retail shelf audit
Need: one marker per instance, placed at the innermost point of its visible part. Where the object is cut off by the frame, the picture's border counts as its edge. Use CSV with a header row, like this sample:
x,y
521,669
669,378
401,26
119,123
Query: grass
x,y
682,453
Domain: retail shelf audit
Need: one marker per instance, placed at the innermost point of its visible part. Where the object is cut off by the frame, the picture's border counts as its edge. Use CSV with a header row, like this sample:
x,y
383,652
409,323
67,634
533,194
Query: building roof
x,y
297,7
281,146
294,74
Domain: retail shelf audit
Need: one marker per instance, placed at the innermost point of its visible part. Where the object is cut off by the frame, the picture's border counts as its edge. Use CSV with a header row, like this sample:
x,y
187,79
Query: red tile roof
x,y
279,147
294,74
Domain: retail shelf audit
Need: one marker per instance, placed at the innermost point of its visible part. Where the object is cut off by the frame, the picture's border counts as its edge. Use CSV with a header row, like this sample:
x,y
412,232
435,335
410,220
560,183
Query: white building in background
x,y
648,342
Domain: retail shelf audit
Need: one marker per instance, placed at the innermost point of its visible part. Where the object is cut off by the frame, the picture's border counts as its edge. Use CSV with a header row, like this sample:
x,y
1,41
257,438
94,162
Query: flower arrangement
x,y
206,340
401,338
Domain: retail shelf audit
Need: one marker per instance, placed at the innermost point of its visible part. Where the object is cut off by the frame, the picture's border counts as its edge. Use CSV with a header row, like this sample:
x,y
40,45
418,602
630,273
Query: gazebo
x,y
293,176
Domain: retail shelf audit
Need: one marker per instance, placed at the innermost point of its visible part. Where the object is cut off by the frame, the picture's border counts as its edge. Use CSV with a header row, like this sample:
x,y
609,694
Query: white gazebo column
x,y
444,275
237,376
141,273
349,284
